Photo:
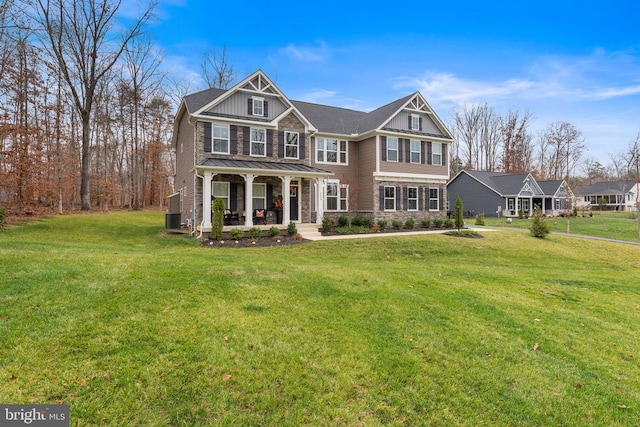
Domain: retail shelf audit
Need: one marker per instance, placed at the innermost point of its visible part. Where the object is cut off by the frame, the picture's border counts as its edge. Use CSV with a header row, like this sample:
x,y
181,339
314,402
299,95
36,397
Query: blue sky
x,y
575,61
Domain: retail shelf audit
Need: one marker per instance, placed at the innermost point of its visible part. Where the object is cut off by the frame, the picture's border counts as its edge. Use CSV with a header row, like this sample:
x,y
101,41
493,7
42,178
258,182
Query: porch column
x,y
319,200
206,200
248,199
286,199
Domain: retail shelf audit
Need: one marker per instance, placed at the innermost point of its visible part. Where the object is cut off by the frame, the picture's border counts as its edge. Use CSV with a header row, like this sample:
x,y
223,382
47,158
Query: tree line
x,y
488,141
86,115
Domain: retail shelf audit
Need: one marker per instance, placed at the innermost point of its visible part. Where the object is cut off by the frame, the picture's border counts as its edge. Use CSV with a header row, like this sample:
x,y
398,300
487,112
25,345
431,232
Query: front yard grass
x,y
130,326
606,224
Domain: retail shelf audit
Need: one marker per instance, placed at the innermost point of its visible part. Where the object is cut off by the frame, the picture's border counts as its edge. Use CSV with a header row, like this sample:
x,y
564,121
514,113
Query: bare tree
x,y
77,35
517,150
566,144
216,70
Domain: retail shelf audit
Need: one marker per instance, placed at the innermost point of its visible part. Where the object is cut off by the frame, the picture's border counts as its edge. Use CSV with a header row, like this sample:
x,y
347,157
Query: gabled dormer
x,y
415,116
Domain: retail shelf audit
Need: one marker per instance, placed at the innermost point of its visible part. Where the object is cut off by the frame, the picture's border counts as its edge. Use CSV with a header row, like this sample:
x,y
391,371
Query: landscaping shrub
x,y
437,222
448,223
236,233
273,231
343,221
397,224
254,232
362,221
480,219
328,224
292,229
426,222
539,226
409,224
382,224
458,214
520,214
218,219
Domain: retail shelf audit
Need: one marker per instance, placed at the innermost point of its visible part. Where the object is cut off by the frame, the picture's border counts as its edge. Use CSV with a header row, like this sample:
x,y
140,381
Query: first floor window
x,y
389,198
221,139
412,198
259,196
436,153
434,199
416,151
291,145
392,149
220,190
336,196
258,142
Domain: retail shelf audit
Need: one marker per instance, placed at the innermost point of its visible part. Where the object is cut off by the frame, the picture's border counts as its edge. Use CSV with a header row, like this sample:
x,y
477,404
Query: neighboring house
x,y
500,194
256,150
613,195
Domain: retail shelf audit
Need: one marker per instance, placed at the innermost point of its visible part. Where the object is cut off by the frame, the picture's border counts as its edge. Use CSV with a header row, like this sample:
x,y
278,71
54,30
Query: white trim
x,y
409,177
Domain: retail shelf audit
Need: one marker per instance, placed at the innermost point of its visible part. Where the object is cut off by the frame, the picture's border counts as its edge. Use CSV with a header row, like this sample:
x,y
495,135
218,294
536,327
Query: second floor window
x,y
392,149
291,145
416,151
221,139
258,142
330,150
436,153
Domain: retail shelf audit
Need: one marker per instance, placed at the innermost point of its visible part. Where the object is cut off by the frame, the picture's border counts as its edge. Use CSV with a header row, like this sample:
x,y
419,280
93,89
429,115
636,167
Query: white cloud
x,y
599,76
318,96
305,53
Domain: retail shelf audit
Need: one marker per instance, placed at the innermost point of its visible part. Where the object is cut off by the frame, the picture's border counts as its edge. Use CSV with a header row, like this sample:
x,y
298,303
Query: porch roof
x,y
229,166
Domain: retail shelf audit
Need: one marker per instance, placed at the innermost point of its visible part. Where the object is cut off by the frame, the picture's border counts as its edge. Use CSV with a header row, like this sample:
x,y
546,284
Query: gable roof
x,y
502,183
325,118
606,187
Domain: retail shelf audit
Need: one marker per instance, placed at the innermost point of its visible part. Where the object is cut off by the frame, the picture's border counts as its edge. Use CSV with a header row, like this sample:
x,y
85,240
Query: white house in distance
x,y
611,195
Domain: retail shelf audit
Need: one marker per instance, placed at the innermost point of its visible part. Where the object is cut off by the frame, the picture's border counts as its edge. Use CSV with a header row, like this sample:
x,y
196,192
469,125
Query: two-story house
x,y
257,150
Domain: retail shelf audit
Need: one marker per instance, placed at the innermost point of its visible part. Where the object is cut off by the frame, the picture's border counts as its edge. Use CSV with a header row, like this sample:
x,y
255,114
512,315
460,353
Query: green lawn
x,y
608,224
130,326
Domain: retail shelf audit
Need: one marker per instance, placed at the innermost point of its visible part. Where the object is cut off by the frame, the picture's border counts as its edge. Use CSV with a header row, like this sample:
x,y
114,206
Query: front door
x,y
293,202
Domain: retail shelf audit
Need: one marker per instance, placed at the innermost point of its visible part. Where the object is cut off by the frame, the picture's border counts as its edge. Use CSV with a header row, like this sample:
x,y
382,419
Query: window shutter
x,y
420,196
420,124
383,144
405,197
269,195
398,201
381,207
207,137
301,146
250,107
441,195
407,148
400,149
269,142
423,157
429,153
233,139
233,196
246,140
265,108
410,122
444,154
281,144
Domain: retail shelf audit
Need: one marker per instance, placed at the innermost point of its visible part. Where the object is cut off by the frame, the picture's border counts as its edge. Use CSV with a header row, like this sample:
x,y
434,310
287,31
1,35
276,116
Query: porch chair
x,y
259,215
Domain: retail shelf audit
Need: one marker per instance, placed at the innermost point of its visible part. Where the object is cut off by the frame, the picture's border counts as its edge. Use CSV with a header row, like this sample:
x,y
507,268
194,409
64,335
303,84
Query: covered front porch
x,y
262,194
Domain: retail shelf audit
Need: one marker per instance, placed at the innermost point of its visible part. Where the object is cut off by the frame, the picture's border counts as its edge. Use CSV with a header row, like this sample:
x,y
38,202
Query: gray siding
x,y
237,106
401,121
475,196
